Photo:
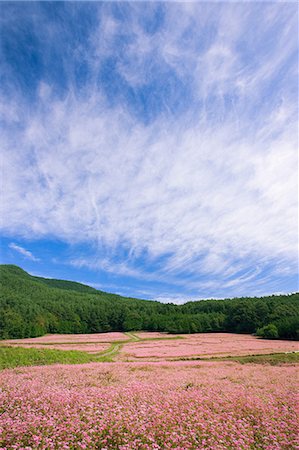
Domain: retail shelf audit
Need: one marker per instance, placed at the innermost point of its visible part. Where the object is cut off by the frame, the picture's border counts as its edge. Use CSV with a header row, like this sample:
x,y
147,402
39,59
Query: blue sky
x,y
150,149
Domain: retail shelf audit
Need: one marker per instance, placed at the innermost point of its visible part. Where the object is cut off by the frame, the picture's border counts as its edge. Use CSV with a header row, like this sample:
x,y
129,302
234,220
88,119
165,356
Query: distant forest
x,y
32,306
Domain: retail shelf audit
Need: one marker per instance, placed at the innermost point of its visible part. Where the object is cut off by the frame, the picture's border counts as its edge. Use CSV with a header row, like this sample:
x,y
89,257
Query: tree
x,y
268,331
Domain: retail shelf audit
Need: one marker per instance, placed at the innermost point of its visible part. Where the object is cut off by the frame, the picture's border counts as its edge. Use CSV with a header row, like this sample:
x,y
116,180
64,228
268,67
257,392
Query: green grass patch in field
x,y
18,356
109,355
11,357
274,359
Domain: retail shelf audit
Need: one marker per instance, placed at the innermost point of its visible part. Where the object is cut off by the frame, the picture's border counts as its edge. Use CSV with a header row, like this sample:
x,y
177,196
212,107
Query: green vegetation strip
x,y
18,356
109,354
132,336
11,357
273,359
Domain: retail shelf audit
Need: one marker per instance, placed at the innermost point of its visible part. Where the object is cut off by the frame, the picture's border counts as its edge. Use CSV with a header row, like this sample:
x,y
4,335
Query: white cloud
x,y
205,196
23,251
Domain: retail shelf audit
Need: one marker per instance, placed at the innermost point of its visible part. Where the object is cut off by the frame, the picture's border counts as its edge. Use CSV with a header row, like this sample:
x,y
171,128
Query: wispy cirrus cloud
x,y
167,146
26,253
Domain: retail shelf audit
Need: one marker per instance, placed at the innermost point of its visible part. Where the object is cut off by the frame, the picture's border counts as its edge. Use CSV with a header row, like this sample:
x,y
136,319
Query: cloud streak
x,y
26,253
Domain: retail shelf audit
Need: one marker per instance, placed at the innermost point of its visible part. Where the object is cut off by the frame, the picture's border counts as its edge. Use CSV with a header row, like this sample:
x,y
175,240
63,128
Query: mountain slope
x,y
67,285
9,271
32,306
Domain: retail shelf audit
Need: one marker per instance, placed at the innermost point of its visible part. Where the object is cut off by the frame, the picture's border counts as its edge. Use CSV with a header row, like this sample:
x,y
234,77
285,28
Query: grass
x,y
108,355
18,356
11,357
132,336
274,359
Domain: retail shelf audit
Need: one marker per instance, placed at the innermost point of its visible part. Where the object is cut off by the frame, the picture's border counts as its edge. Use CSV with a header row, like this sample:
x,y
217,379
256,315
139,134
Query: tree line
x,y
33,306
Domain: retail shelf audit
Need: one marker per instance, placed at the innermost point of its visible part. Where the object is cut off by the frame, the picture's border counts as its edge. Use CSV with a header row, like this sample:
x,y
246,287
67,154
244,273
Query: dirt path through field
x,y
133,337
112,351
115,347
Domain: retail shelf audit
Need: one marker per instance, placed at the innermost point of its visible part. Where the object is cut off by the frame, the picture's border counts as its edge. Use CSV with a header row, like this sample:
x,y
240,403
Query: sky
x,y
150,149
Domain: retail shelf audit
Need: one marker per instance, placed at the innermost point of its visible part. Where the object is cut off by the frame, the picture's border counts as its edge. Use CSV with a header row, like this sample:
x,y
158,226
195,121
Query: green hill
x,y
67,285
32,306
8,270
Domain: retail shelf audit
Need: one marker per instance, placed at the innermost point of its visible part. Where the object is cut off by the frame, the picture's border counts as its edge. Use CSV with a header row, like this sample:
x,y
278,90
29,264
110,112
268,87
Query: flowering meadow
x,y
206,345
89,343
151,405
160,346
70,338
160,405
155,335
88,348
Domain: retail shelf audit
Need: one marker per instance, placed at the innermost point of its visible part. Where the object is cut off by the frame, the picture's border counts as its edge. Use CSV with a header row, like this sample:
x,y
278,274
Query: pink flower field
x,y
89,348
146,406
206,345
70,338
154,335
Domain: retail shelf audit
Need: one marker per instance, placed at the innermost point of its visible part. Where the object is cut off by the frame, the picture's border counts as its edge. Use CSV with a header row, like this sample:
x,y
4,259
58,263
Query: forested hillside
x,y
32,306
